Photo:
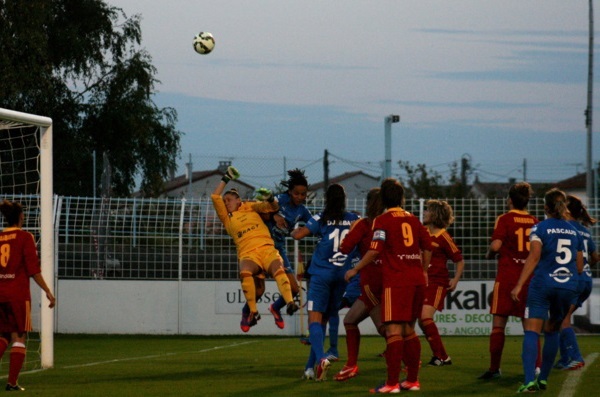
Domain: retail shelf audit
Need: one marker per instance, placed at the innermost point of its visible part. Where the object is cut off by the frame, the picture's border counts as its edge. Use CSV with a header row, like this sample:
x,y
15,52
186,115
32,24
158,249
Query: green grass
x,y
109,365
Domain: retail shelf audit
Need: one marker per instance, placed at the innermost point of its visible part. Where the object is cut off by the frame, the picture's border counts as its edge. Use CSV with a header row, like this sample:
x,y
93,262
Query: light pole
x,y
388,121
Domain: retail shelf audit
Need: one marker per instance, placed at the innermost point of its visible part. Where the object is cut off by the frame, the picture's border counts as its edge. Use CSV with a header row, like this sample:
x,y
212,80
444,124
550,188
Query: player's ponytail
x,y
579,211
555,202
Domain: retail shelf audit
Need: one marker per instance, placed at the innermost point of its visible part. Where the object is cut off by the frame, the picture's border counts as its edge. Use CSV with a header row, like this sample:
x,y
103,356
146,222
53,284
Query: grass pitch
x,y
117,365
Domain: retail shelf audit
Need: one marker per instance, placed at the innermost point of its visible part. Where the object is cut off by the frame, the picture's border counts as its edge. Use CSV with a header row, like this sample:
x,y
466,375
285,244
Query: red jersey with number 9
x,y
400,239
18,262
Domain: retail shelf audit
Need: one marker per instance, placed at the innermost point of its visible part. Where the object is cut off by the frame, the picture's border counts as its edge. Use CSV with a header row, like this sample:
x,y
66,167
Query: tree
x,y
78,62
421,183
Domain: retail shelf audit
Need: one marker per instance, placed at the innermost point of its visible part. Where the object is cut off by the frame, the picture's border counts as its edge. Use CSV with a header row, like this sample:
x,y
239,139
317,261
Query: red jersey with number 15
x,y
512,228
400,239
18,262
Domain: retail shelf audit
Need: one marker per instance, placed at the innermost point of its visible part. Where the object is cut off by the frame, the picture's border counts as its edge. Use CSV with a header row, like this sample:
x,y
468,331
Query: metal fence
x,y
166,239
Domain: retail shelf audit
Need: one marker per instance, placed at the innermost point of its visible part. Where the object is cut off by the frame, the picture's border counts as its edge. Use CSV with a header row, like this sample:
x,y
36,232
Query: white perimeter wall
x,y
214,308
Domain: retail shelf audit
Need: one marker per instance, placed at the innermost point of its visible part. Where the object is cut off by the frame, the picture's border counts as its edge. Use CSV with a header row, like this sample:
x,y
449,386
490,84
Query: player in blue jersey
x,y
327,269
555,259
292,212
570,356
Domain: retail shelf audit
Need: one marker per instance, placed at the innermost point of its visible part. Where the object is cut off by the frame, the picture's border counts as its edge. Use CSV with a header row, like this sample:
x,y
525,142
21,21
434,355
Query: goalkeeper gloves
x,y
231,173
264,194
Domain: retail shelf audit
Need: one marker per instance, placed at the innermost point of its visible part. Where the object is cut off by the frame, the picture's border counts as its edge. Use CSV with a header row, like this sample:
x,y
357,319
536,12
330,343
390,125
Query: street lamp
x,y
388,121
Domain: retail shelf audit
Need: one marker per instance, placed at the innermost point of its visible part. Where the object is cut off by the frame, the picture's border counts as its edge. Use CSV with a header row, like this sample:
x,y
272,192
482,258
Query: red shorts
x,y
435,295
371,286
503,305
402,304
15,316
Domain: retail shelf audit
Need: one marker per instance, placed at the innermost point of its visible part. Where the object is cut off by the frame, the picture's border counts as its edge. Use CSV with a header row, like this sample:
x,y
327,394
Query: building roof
x,y
575,182
500,189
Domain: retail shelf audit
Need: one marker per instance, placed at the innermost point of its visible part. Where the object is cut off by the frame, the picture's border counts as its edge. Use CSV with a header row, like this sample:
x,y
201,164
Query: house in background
x,y
575,185
357,184
203,183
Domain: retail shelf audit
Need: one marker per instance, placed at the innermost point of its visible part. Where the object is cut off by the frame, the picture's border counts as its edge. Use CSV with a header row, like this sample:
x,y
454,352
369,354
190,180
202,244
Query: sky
x,y
502,83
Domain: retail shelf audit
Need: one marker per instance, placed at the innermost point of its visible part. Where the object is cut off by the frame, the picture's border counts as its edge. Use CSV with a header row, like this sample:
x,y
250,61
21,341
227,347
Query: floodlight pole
x,y
589,180
388,121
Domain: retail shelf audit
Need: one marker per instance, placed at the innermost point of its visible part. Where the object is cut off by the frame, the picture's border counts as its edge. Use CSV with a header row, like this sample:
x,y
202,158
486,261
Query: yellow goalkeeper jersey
x,y
245,225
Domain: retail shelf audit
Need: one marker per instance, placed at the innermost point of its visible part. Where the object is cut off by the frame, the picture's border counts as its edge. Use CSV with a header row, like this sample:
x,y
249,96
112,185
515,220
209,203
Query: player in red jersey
x,y
18,262
510,242
403,245
367,304
438,216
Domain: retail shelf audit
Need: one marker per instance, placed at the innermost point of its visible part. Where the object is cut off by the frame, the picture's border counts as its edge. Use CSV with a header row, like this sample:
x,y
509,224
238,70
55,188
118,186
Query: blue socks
x,y
529,355
551,342
316,337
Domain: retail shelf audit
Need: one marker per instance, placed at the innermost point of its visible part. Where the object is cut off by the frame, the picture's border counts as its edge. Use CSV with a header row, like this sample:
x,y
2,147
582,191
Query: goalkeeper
x,y
255,247
292,213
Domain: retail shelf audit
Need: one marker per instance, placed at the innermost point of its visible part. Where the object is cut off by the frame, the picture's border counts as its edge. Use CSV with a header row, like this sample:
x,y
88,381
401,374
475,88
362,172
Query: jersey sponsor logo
x,y
561,275
409,257
338,259
379,235
7,276
241,233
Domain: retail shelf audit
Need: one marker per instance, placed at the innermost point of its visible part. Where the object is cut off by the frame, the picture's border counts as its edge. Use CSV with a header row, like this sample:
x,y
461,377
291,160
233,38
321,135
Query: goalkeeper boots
x,y
292,308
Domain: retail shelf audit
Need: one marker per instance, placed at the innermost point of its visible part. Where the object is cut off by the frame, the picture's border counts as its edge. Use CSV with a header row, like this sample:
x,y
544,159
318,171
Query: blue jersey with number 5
x,y
327,256
557,267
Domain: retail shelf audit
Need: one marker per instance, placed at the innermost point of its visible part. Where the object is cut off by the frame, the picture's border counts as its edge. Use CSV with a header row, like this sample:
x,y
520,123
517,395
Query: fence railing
x,y
165,239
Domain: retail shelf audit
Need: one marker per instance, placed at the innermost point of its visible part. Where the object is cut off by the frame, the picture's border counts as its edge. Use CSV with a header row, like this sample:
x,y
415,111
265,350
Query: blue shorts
x,y
287,266
352,289
544,303
584,289
325,293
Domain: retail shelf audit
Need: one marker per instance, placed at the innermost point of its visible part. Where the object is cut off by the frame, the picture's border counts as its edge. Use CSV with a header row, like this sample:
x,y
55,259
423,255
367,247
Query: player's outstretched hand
x,y
264,194
231,174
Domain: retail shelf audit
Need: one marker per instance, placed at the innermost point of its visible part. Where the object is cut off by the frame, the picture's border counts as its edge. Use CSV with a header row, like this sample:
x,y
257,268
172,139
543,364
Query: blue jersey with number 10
x,y
327,257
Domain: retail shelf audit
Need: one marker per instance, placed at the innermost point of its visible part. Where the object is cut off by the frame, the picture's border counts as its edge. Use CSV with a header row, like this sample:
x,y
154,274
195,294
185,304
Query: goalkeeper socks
x,y
249,290
283,283
529,355
17,357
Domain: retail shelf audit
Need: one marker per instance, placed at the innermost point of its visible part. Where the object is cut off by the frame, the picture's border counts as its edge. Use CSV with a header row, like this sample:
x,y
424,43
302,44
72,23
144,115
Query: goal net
x,y
26,177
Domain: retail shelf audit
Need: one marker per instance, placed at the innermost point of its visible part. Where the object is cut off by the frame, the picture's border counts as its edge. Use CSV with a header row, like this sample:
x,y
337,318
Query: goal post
x,y
11,121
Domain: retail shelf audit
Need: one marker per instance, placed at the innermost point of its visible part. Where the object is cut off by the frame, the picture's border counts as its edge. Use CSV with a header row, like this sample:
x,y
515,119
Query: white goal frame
x,y
46,224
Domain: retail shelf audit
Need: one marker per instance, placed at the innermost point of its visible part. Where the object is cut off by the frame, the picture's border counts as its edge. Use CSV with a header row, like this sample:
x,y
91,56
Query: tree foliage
x,y
79,62
421,182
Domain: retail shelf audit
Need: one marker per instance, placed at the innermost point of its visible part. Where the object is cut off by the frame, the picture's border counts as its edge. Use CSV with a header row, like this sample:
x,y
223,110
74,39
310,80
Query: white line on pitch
x,y
570,385
139,358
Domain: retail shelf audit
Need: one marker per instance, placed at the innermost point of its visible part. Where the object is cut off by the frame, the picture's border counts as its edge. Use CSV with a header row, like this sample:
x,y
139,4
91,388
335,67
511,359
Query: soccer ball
x,y
204,43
